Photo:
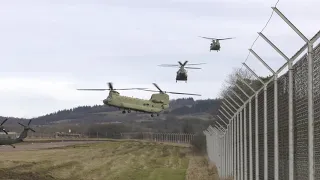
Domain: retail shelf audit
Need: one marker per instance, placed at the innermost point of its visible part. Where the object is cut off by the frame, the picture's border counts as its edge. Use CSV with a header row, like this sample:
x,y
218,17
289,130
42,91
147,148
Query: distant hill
x,y
194,113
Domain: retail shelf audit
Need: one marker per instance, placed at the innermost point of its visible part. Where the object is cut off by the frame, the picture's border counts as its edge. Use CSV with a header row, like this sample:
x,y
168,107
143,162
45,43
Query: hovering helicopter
x,y
9,141
215,44
157,103
182,74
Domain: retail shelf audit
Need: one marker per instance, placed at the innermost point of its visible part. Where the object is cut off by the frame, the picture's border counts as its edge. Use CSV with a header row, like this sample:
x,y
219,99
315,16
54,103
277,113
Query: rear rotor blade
x,y
32,130
4,121
208,38
192,68
29,122
180,63
183,93
149,90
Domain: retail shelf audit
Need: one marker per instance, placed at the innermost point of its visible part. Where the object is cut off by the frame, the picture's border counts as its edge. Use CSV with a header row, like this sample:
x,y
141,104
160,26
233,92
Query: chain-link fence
x,y
181,138
271,132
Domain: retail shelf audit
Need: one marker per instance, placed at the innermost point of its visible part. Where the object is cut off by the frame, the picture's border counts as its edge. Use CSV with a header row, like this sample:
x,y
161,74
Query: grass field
x,y
112,160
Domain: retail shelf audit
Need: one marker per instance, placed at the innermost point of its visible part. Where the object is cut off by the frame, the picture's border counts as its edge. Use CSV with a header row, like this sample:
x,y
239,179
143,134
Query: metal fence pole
x,y
310,101
250,129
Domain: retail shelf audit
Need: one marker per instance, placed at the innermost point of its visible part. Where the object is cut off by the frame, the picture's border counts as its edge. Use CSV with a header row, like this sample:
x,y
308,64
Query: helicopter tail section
x,y
24,133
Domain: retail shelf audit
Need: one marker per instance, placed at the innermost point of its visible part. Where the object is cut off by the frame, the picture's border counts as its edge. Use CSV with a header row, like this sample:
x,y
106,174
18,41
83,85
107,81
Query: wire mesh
x,y
300,117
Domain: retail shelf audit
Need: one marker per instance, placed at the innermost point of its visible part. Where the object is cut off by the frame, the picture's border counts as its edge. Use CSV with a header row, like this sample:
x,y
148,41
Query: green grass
x,y
117,160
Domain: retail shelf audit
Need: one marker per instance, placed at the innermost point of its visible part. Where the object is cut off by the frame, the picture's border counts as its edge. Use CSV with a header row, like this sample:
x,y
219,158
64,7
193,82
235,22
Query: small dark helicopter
x,y
215,44
8,140
182,74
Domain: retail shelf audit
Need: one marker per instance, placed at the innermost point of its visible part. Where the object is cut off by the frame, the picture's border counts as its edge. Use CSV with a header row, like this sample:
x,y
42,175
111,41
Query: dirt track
x,y
40,145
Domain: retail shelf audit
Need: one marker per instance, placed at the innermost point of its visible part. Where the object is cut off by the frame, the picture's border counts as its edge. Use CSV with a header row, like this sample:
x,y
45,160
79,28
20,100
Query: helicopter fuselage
x,y
10,139
157,103
215,46
182,75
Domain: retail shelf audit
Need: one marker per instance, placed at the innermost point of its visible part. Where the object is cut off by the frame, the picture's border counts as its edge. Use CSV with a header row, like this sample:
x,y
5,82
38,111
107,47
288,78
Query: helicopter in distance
x,y
182,74
215,44
155,105
9,140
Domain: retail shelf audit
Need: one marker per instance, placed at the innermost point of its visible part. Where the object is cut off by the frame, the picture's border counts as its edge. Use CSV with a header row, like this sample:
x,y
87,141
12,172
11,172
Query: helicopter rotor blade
x,y
110,85
183,93
4,121
29,122
149,90
226,38
93,89
32,130
180,63
22,125
168,65
192,68
208,38
4,131
196,64
157,87
184,63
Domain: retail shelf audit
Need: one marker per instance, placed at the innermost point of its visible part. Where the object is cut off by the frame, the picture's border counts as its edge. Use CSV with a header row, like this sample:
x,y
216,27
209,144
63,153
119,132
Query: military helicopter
x,y
215,44
155,105
9,141
182,74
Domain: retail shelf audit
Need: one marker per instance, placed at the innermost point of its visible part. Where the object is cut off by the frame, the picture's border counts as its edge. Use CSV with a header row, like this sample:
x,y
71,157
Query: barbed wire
x,y
259,35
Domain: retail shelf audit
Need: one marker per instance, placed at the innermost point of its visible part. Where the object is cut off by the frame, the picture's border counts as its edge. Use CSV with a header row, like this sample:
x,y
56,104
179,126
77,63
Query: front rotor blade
x,y
208,38
185,63
157,87
180,63
183,93
110,85
29,122
131,89
4,121
191,68
93,89
32,130
4,131
225,38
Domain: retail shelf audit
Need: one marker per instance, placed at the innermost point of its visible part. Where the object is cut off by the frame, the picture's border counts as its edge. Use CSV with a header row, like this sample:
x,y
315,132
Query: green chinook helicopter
x,y
8,140
182,74
157,103
215,44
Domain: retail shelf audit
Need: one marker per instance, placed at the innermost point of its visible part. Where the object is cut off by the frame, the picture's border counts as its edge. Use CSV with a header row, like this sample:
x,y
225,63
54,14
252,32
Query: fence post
x,y
310,103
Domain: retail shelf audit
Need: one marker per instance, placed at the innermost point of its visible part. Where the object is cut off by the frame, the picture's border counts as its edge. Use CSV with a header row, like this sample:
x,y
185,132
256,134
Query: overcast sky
x,y
50,48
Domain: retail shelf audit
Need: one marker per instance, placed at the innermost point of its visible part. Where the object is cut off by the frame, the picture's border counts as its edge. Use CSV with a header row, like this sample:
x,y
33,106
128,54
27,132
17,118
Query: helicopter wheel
x,y
151,115
129,111
124,111
157,114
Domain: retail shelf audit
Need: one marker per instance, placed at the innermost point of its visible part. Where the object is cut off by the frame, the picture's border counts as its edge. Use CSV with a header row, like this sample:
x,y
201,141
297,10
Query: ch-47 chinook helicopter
x,y
9,140
182,74
215,44
155,105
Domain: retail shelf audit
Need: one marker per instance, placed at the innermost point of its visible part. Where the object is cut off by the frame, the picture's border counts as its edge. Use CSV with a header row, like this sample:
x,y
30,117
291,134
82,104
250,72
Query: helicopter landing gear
x,y
151,115
157,114
129,111
12,146
124,111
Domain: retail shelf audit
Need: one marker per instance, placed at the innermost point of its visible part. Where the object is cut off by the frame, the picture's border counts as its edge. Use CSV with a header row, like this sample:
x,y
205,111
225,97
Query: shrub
x,y
199,143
